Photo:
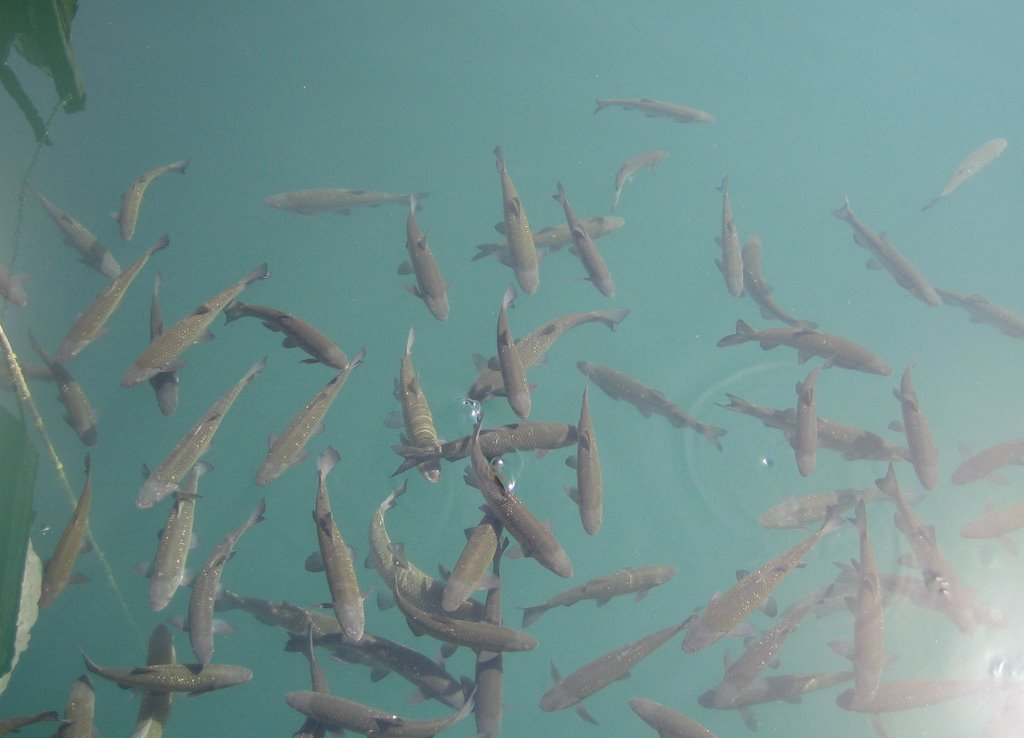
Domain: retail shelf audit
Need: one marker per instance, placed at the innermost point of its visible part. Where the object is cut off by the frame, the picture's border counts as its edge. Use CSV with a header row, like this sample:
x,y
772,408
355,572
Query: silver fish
x,y
584,248
164,384
309,202
805,438
175,542
668,722
974,163
342,714
131,201
513,371
190,678
297,332
430,285
988,461
517,230
731,264
658,109
155,707
588,494
923,454
91,252
632,166
983,310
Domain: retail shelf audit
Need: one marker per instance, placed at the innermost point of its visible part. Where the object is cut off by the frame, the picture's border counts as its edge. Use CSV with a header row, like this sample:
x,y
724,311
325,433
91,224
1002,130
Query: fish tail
x,y
530,614
612,318
724,187
260,272
234,310
559,196
601,105
409,341
713,433
180,166
742,334
930,203
843,212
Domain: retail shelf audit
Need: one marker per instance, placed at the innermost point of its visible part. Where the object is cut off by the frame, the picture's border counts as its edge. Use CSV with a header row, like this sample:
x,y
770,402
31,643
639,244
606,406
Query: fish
x,y
668,722
495,442
760,291
171,557
588,494
131,201
416,415
939,578
731,264
910,694
658,109
988,461
923,455
310,728
839,351
536,539
513,371
164,384
155,707
415,585
163,480
29,371
343,201
996,523
91,252
338,567
343,714
802,512
517,229
853,443
805,436
550,238
80,710
12,287
868,655
974,163
489,674
478,635
290,447
584,248
599,673
205,585
162,354
779,687
983,310
640,580
80,416
60,567
293,619
532,347
631,166
470,571
191,678
760,652
91,322
297,333
384,656
726,611
885,254
647,400
14,724
430,285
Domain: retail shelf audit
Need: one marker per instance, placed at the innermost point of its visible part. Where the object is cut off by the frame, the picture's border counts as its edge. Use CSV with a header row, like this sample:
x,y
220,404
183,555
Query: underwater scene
x,y
524,369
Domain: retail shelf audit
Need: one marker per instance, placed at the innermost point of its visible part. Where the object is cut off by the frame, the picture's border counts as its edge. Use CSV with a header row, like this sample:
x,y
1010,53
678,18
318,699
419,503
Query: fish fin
x,y
271,439
572,462
443,571
602,600
770,607
897,425
555,676
447,649
532,613
586,716
310,360
803,356
385,600
749,718
1006,543
394,421
574,494
873,264
378,672
289,342
77,577
405,268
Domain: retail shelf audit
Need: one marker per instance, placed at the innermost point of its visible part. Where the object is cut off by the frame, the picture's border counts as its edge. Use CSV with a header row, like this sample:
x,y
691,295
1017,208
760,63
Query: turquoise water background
x,y
877,101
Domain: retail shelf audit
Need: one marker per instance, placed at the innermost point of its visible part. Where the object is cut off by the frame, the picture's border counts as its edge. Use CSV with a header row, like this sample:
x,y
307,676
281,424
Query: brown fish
x,y
416,415
868,655
731,264
760,291
838,350
513,371
470,571
11,287
658,109
988,461
91,252
974,163
584,248
885,254
632,166
910,694
342,714
588,494
640,580
805,437
61,565
647,400
550,238
90,323
724,612
297,333
309,202
601,672
983,310
155,707
80,710
923,454
14,724
802,512
131,201
668,722
517,230
996,523
79,416
162,354
191,678
164,384
490,680
430,285
171,557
